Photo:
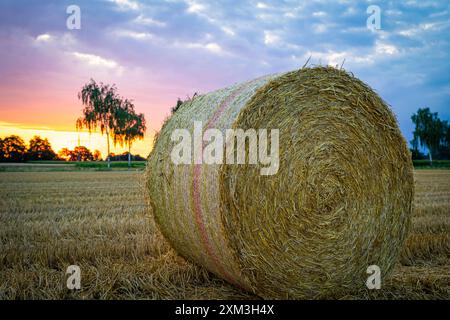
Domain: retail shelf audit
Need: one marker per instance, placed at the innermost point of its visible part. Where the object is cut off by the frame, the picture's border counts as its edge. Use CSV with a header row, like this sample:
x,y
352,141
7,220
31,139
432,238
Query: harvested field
x,y
99,221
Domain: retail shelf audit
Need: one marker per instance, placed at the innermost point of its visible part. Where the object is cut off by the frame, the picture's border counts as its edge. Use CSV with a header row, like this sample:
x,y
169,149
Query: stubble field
x,y
100,222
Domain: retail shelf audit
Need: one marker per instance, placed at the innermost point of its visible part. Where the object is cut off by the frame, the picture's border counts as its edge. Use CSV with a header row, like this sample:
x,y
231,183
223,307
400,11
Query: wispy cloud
x,y
262,5
143,20
210,47
416,30
45,37
319,14
96,61
133,34
271,38
126,4
195,7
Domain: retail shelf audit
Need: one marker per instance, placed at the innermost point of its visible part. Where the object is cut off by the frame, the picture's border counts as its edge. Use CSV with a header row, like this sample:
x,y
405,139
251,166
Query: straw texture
x,y
341,200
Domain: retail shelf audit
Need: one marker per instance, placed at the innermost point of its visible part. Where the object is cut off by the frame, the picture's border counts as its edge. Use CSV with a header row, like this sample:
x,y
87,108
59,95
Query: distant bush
x,y
417,155
124,157
437,164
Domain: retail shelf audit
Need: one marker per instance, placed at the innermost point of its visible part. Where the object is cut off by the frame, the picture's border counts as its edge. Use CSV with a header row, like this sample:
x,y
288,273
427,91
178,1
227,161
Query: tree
x,y
124,157
40,149
131,127
82,154
13,149
444,148
180,102
135,131
65,154
447,135
177,106
428,131
100,105
417,155
1,150
97,155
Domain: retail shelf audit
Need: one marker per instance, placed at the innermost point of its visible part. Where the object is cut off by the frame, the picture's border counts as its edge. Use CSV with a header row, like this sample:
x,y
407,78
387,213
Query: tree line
x,y
431,133
14,149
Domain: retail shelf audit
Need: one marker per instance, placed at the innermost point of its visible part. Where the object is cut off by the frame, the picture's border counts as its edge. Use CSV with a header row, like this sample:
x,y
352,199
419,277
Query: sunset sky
x,y
157,51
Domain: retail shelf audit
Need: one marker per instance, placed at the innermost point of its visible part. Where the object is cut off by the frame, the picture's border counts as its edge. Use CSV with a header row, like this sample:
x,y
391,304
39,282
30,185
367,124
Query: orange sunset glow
x,y
30,106
70,139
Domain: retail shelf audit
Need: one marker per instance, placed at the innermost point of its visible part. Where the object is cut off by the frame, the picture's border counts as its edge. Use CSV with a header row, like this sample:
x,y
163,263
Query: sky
x,y
158,51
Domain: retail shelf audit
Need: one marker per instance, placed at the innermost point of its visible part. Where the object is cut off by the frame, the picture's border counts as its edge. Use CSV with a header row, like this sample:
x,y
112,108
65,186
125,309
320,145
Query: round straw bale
x,y
340,201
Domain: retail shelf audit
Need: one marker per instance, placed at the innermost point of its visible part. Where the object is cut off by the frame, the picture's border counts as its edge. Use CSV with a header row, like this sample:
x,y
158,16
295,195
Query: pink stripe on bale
x,y
196,192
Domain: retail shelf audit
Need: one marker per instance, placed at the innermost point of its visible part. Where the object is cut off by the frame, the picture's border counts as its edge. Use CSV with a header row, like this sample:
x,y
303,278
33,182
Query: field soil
x,y
100,222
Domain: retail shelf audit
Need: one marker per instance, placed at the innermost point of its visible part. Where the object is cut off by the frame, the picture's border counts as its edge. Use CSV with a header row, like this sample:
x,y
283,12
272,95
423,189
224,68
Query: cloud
x,y
141,19
335,58
270,38
394,13
126,4
195,7
350,11
439,14
133,34
96,61
45,37
290,15
214,47
385,49
416,30
261,5
210,47
228,31
319,14
421,4
320,28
